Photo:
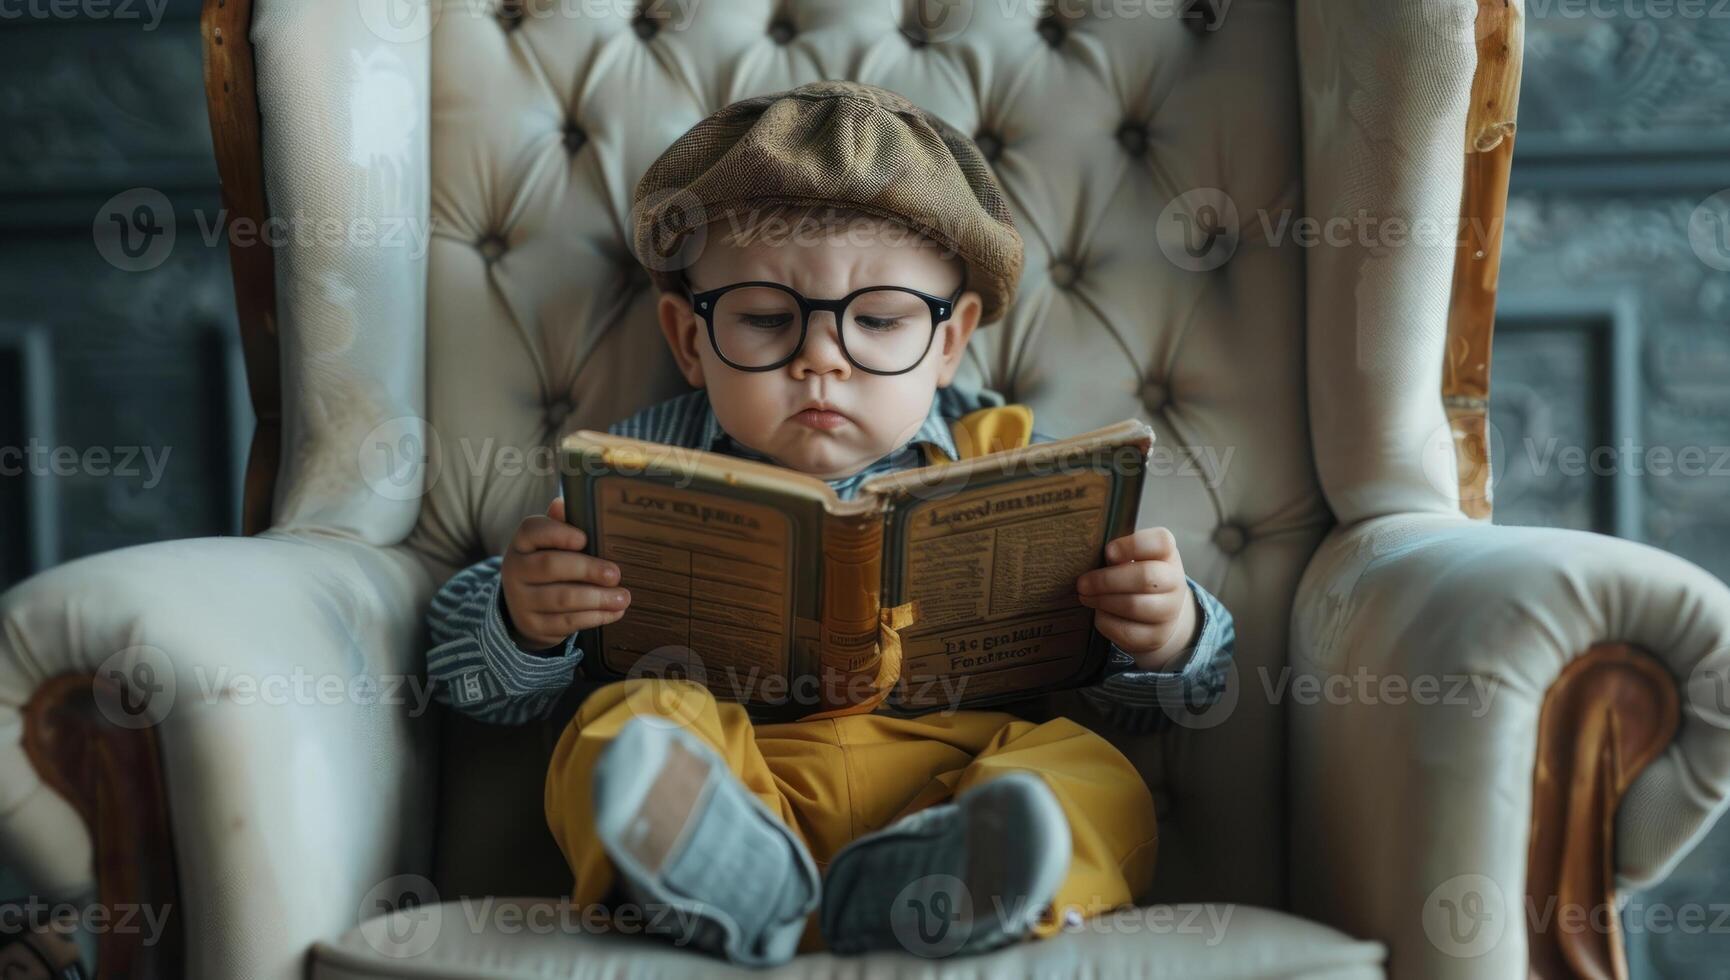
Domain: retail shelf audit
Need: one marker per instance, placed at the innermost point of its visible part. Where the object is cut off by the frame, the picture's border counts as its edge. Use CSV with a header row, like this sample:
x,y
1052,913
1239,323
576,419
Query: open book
x,y
761,583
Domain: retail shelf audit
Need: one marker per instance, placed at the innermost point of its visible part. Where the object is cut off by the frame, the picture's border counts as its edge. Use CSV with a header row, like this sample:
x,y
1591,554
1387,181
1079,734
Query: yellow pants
x,y
836,779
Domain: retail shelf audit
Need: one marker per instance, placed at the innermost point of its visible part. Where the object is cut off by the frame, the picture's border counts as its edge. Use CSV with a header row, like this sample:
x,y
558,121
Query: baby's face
x,y
866,415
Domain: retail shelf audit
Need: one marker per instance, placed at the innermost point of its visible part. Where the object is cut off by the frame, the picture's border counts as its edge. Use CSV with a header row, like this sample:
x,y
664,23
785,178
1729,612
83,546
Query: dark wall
x,y
123,414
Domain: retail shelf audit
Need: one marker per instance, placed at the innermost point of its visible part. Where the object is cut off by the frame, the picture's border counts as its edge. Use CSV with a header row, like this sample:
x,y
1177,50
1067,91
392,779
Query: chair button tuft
x,y
492,247
1203,17
573,136
1230,538
557,413
990,146
510,14
645,25
1064,274
1053,30
781,30
1155,396
1132,136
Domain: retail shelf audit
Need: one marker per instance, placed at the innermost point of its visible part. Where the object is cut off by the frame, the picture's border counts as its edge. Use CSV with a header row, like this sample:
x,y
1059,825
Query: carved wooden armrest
x,y
112,776
1604,719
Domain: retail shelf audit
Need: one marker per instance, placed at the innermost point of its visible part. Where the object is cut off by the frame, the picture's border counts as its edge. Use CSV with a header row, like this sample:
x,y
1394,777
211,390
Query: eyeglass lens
x,y
883,329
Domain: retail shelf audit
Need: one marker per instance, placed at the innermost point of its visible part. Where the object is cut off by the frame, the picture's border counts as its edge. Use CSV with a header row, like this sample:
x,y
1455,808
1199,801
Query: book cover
x,y
759,582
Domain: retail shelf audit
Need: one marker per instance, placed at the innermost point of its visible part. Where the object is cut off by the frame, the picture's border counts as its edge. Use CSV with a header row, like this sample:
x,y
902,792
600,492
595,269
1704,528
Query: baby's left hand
x,y
1141,598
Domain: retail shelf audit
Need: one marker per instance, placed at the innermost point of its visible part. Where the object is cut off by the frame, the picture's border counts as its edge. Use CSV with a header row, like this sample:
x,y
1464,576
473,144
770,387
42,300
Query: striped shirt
x,y
477,668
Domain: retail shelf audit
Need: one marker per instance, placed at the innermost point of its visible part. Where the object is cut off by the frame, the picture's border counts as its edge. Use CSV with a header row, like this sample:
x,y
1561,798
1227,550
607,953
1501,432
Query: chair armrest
x,y
1407,800
288,702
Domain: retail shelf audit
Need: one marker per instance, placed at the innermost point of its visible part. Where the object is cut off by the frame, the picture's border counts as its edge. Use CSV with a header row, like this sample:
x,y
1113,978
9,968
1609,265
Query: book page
x,y
994,573
708,577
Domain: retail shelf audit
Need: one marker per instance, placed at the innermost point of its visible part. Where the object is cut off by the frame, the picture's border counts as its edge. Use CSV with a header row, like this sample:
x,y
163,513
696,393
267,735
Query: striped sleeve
x,y
476,668
1143,701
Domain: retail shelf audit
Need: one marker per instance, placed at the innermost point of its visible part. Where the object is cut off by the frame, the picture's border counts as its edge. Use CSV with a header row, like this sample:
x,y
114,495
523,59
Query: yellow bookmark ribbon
x,y
891,620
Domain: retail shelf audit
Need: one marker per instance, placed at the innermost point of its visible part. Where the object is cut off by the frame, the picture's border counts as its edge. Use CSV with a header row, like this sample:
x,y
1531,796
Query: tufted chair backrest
x,y
1154,154
1105,134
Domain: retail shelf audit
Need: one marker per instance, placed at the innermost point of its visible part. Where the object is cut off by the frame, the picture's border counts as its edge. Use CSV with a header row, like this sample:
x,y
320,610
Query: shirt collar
x,y
935,430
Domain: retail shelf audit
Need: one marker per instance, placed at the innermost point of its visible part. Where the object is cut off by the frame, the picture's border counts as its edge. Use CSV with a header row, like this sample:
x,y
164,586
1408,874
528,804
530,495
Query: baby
x,y
824,255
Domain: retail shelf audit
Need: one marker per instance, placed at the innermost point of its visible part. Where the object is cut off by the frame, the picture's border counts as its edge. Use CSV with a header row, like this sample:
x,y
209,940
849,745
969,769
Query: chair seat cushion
x,y
540,938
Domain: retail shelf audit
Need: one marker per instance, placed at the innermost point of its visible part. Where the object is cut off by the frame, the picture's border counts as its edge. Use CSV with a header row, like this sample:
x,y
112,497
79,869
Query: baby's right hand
x,y
551,589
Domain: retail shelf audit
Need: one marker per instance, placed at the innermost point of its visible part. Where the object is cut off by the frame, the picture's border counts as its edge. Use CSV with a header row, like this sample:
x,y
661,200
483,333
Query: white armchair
x,y
237,728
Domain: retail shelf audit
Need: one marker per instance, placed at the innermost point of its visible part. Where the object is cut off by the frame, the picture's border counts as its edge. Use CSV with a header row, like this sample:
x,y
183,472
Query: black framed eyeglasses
x,y
760,326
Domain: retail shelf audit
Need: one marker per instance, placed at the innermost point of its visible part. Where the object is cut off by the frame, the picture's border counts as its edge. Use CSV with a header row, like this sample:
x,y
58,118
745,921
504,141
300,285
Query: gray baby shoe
x,y
954,879
710,864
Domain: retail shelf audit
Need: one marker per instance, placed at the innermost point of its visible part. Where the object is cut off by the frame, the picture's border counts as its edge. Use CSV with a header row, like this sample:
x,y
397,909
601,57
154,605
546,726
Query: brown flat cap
x,y
836,143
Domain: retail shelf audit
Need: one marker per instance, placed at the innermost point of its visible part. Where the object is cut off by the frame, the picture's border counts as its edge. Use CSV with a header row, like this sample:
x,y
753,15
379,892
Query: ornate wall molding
x,y
1628,80
1624,134
1571,384
1675,309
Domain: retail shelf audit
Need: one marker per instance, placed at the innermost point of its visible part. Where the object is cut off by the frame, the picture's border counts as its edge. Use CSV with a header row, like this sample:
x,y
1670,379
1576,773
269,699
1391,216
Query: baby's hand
x,y
1141,599
551,589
